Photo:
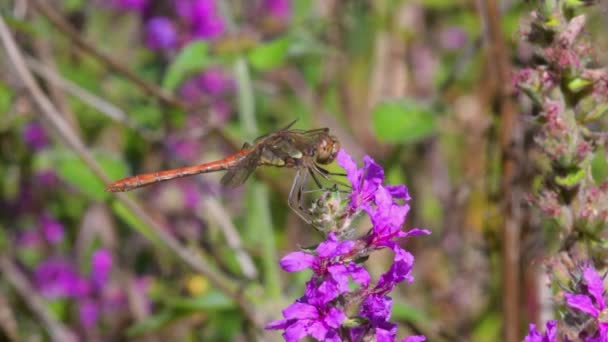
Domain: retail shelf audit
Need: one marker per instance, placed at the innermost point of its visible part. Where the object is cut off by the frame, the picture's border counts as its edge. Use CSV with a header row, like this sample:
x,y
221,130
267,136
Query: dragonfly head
x,y
327,149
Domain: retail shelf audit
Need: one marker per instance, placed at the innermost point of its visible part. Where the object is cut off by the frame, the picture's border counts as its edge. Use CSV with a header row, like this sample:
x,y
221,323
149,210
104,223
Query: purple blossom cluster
x,y
339,284
57,278
586,316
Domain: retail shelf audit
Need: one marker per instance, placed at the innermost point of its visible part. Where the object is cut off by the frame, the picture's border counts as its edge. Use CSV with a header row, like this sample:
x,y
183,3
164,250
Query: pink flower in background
x,y
202,16
101,264
453,38
278,8
35,136
56,278
161,33
52,229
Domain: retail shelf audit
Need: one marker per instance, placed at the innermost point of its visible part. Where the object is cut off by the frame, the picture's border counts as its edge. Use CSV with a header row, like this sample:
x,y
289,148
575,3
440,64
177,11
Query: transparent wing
x,y
239,174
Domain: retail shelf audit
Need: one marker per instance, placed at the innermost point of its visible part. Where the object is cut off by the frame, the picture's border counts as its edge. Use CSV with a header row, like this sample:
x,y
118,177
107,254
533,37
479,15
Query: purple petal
x,y
582,303
328,248
328,290
595,286
348,164
101,266
296,261
334,318
278,324
278,8
318,330
386,332
399,191
296,331
374,173
89,313
160,33
52,229
359,274
551,331
377,308
339,273
301,311
414,338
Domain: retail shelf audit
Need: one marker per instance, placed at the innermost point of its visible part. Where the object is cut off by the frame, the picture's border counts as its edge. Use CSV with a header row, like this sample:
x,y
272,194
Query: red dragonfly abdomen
x,y
144,179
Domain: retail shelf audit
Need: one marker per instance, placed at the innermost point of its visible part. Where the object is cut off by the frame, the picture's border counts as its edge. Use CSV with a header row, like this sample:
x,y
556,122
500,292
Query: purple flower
x,y
592,301
58,279
35,136
211,82
550,334
214,81
366,182
339,282
377,309
452,38
29,238
191,195
331,272
101,264
278,8
47,177
414,338
184,149
303,319
51,229
202,17
89,312
160,33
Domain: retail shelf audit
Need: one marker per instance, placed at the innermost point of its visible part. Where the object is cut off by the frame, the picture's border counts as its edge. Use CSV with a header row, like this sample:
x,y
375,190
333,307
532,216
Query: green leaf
x,y
75,172
406,312
402,121
572,178
191,59
152,323
214,300
269,55
578,84
599,166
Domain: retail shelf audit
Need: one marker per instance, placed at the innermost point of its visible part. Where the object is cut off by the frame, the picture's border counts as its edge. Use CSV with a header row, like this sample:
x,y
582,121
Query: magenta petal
x,y
334,318
348,164
318,330
296,261
415,338
296,331
582,303
595,286
301,311
278,324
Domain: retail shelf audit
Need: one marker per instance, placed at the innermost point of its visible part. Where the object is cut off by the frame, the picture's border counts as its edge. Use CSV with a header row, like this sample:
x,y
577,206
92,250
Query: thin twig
x,y
101,105
49,112
56,330
511,195
43,7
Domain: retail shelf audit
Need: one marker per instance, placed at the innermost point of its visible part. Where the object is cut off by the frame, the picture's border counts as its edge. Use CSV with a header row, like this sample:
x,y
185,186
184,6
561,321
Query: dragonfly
x,y
303,150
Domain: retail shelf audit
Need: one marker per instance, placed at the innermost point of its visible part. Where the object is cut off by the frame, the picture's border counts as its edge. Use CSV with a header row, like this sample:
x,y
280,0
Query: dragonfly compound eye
x,y
327,150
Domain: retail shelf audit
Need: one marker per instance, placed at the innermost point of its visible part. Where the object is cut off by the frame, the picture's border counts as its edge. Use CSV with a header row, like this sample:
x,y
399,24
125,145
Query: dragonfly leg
x,y
325,174
315,179
329,173
295,199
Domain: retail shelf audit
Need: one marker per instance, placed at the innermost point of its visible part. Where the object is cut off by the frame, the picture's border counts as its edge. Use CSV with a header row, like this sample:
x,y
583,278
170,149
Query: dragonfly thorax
x,y
327,149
